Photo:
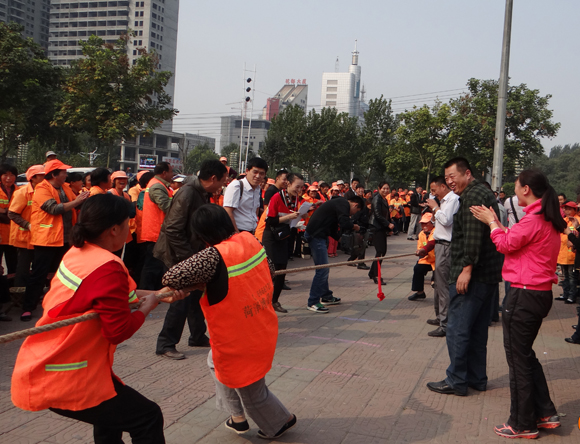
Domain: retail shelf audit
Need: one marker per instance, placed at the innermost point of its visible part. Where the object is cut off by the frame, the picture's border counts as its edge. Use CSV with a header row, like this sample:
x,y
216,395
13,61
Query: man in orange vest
x,y
156,203
177,241
51,221
232,174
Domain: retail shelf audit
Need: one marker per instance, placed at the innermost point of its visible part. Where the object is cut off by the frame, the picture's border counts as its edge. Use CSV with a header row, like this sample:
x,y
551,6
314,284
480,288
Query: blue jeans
x,y
467,336
569,281
319,288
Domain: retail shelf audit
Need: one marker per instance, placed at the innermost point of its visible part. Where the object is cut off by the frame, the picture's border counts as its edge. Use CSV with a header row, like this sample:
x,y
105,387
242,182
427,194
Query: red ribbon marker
x,y
380,294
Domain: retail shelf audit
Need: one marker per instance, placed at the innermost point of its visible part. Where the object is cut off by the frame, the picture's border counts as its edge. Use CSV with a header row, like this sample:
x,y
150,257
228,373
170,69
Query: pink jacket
x,y
531,251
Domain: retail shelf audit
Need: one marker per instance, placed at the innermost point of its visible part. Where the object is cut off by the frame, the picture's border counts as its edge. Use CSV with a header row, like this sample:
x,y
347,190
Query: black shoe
x,y
433,322
238,427
560,298
571,341
437,333
416,296
285,287
352,265
444,388
479,388
331,301
570,301
283,430
203,343
363,267
376,281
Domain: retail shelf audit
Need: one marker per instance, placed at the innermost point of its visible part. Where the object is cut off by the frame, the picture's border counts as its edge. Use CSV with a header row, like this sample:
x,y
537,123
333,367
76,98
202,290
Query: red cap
x,y
55,165
33,171
571,205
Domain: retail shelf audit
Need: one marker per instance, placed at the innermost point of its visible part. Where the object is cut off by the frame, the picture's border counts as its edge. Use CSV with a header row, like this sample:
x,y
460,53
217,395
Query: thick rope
x,y
86,317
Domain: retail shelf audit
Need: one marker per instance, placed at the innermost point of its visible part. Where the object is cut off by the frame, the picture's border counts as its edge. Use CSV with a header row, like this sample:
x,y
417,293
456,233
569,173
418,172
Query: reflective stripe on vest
x,y
65,367
244,267
46,226
29,203
4,201
73,282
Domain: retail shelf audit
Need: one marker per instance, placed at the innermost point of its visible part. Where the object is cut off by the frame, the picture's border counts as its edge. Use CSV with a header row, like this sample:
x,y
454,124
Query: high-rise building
x,y
33,15
294,92
152,22
342,90
231,132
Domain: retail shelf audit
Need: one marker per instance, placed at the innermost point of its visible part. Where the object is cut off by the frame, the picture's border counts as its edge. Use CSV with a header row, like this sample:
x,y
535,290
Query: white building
x,y
342,90
154,23
231,132
294,92
32,15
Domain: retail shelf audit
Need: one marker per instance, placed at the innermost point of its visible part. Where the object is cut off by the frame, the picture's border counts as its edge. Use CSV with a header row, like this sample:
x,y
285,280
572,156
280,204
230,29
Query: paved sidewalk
x,y
354,376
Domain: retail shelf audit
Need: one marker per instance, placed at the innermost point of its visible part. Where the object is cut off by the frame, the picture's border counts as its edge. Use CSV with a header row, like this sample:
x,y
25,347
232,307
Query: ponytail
x,y
541,188
99,213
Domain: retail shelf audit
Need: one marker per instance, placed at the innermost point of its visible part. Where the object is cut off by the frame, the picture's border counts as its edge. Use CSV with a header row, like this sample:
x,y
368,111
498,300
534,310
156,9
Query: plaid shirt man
x,y
471,244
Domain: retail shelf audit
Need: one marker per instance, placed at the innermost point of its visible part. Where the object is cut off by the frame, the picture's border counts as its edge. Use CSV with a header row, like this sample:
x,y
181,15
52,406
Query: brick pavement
x,y
354,376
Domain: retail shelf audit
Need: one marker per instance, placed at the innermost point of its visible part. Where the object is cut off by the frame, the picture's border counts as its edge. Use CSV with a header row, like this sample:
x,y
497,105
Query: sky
x,y
412,51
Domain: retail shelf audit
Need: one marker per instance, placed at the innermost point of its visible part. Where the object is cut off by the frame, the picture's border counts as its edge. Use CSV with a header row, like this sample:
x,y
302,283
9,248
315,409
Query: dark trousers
x,y
153,269
129,411
467,336
522,316
46,260
380,243
25,258
189,310
11,255
278,282
419,273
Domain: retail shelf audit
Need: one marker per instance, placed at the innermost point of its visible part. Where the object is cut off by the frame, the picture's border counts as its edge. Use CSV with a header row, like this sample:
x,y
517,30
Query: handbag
x,y
281,231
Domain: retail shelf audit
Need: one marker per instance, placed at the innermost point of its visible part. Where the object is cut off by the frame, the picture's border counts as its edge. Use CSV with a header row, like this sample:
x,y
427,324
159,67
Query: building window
x,y
330,103
332,82
331,96
331,89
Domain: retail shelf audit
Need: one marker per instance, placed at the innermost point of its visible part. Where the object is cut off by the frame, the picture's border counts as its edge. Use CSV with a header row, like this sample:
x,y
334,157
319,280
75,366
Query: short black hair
x,y
212,224
99,176
563,195
257,162
360,186
212,167
161,168
281,173
355,178
52,173
382,184
73,177
85,178
439,180
145,178
358,200
7,168
323,185
293,176
461,163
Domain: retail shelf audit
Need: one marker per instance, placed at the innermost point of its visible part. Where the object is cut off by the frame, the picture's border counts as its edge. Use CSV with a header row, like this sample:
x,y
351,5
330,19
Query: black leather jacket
x,y
380,213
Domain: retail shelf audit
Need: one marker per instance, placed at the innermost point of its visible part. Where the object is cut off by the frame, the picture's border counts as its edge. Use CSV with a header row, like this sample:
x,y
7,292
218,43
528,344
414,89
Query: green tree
x,y
528,120
29,90
421,144
196,156
316,143
562,167
376,136
109,99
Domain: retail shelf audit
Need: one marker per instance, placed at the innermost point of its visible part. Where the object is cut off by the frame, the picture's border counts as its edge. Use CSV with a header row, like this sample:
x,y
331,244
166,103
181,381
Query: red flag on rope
x,y
380,294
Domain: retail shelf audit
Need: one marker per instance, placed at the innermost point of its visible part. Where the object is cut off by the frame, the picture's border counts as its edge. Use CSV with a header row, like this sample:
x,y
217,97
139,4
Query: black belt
x,y
443,242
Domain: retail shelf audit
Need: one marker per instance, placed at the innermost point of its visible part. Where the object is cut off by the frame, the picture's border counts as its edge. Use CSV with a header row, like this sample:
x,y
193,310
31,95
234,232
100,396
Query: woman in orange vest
x,y
100,180
566,257
237,304
69,370
20,213
8,174
87,182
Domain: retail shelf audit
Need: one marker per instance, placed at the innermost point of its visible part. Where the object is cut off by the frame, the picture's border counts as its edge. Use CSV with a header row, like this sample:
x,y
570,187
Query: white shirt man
x,y
243,207
510,205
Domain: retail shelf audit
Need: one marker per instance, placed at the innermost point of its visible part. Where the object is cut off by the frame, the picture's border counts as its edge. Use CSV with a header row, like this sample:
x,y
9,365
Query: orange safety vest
x,y
21,204
259,233
153,217
95,189
132,223
5,228
566,256
47,230
70,367
243,327
134,192
421,243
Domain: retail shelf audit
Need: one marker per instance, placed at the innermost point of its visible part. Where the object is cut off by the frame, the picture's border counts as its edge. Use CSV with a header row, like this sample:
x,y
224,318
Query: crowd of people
x,y
217,238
